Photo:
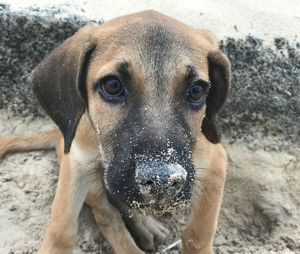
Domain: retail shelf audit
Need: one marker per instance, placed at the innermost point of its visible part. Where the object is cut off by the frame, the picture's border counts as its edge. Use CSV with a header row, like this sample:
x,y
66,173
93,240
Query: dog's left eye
x,y
111,88
197,93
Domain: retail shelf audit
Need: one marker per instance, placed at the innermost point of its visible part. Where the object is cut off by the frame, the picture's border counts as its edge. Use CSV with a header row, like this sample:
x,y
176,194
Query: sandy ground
x,y
260,213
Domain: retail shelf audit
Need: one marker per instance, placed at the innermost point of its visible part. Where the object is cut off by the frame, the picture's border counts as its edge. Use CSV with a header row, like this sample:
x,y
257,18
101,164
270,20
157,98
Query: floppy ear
x,y
59,82
219,76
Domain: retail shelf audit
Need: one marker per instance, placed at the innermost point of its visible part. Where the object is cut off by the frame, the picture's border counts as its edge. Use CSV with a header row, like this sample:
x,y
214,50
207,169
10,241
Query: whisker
x,y
96,159
211,171
211,186
201,196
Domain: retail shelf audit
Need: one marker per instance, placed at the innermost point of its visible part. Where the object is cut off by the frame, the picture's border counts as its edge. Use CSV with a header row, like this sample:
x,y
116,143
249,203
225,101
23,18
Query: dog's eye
x,y
197,92
111,88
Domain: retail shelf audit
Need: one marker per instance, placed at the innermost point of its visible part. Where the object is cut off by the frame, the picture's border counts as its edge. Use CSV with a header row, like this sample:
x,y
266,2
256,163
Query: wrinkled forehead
x,y
157,47
152,51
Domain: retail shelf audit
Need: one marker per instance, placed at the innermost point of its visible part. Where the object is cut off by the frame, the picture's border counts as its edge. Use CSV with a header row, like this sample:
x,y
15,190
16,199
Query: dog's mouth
x,y
158,207
152,206
161,203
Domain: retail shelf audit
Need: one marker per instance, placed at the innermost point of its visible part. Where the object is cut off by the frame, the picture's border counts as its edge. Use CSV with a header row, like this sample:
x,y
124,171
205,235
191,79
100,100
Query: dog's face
x,y
149,84
141,100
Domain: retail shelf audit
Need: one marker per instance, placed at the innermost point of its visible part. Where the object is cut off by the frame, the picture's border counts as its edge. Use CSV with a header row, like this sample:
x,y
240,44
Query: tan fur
x,y
201,225
14,143
78,184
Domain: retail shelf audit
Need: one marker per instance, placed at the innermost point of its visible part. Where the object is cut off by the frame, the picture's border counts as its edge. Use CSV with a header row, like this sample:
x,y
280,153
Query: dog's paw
x,y
147,232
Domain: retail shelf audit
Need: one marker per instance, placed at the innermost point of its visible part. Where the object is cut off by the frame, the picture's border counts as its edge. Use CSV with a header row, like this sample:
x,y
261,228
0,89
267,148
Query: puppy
x,y
135,101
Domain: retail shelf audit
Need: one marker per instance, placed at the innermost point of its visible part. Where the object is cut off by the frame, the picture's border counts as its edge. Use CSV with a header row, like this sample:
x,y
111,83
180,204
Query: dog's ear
x,y
219,76
59,82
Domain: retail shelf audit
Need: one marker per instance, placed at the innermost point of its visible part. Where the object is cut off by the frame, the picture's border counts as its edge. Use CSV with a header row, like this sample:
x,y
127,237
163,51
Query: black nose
x,y
158,178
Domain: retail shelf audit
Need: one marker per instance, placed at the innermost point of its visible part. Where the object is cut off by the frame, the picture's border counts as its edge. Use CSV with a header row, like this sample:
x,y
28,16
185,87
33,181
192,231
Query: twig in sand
x,y
171,246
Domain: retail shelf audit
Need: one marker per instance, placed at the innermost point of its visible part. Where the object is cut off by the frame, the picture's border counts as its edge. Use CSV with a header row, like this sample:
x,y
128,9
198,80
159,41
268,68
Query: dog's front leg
x,y
73,185
198,236
110,222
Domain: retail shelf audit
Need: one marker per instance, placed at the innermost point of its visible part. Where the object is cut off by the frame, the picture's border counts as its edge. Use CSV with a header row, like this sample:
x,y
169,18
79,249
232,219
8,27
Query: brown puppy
x,y
135,101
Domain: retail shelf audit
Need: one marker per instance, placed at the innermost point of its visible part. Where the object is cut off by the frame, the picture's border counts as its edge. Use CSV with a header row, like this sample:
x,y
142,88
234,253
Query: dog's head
x,y
151,87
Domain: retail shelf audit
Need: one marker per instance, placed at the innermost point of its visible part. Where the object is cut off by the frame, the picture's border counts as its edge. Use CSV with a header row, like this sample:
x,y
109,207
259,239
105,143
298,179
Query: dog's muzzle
x,y
159,180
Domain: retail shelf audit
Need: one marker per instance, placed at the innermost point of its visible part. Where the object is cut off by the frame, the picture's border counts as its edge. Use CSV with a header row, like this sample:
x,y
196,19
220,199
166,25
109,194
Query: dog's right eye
x,y
111,89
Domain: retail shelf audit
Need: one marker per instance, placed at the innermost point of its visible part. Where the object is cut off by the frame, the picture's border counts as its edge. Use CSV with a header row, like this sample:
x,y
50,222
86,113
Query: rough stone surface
x,y
265,90
25,39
